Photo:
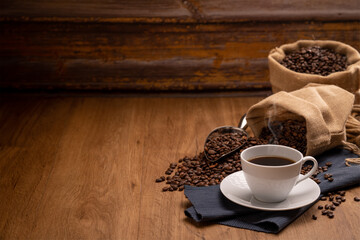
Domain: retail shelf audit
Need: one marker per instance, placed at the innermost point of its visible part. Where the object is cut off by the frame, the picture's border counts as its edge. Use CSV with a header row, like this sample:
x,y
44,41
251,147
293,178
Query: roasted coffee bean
x,y
330,179
336,203
332,207
315,60
343,199
330,214
323,198
327,206
329,164
342,193
324,212
320,207
165,189
314,217
356,199
211,151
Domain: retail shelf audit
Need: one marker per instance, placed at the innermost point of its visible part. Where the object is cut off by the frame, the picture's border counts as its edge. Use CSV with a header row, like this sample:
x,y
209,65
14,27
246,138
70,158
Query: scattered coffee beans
x,y
290,133
198,171
315,60
334,199
222,144
327,176
356,199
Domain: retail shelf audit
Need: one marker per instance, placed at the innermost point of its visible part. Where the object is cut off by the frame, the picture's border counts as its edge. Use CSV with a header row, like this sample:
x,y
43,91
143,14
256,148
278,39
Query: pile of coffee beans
x,y
198,171
289,132
219,145
315,60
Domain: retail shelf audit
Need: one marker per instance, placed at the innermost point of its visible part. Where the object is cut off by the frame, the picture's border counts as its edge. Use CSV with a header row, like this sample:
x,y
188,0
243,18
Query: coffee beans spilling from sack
x,y
315,60
290,133
198,171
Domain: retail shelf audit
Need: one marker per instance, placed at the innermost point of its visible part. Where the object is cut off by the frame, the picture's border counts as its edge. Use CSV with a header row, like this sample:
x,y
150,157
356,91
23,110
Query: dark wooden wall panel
x,y
179,46
188,10
92,9
302,10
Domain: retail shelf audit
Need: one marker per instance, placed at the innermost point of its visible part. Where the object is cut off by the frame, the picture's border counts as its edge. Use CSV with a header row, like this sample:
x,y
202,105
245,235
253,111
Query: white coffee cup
x,y
274,183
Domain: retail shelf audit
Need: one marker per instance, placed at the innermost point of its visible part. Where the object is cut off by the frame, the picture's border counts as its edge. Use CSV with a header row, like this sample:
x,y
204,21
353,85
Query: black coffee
x,y
271,161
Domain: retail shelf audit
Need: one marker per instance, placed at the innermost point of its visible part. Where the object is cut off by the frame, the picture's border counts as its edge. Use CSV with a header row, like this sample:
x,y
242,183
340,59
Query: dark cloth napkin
x,y
210,205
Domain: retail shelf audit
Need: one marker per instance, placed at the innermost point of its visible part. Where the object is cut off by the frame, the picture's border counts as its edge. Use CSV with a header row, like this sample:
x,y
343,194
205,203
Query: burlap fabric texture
x,y
284,79
324,108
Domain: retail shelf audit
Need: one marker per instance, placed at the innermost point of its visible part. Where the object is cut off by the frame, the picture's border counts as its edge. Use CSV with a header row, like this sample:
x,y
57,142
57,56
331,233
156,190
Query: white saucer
x,y
235,188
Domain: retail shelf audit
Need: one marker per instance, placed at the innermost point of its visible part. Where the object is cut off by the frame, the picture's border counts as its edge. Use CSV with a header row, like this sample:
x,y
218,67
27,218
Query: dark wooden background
x,y
161,45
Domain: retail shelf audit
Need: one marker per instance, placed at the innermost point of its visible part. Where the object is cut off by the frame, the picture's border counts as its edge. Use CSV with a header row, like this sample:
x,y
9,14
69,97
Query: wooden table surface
x,y
85,168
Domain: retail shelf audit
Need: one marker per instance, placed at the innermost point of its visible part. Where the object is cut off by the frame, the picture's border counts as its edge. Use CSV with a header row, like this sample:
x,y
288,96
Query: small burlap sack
x,y
325,109
284,79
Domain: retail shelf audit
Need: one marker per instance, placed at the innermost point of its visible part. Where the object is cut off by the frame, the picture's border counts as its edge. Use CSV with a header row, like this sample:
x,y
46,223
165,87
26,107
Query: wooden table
x,y
85,167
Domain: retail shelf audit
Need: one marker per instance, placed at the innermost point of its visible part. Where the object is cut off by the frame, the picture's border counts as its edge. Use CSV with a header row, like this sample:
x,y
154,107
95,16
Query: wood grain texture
x,y
296,10
150,57
84,168
94,9
181,10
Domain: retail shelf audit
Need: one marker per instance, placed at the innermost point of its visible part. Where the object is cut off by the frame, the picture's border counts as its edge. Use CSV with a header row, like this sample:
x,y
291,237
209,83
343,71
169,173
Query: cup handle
x,y
312,171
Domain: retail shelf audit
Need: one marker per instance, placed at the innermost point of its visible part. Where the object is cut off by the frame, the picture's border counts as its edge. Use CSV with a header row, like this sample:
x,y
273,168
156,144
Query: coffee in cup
x,y
271,171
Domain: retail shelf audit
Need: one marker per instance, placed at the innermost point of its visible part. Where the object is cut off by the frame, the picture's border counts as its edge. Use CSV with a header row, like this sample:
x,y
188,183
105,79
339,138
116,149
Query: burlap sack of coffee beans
x,y
324,108
284,79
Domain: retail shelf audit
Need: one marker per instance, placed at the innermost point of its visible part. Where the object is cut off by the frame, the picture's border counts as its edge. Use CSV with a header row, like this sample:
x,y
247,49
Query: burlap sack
x,y
325,109
284,79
